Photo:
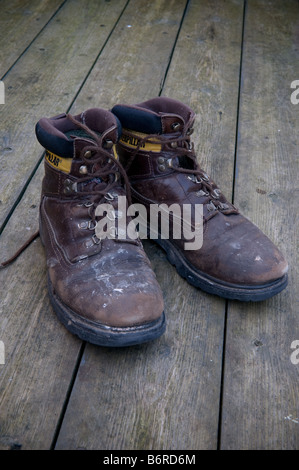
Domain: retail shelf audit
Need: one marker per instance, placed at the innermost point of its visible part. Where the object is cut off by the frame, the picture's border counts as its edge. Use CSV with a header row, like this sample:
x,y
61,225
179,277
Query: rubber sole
x,y
214,286
103,335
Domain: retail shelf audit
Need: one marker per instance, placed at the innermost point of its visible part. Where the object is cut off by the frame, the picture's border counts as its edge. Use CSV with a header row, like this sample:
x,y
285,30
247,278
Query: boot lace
x,y
106,179
184,160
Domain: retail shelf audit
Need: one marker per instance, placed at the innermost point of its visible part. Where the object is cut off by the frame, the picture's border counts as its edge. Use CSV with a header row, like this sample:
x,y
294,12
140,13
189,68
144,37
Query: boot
x,y
236,260
102,289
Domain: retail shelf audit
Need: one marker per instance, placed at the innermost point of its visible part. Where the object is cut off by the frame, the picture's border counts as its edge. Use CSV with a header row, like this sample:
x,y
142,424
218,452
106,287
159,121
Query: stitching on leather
x,y
54,243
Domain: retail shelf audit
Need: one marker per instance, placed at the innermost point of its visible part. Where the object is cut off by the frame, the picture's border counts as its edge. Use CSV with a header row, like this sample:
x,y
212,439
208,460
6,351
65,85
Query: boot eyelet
x,y
211,206
201,193
87,154
91,225
83,170
69,186
162,167
216,193
173,145
194,179
176,126
109,197
85,204
223,206
160,160
108,144
83,225
96,240
205,177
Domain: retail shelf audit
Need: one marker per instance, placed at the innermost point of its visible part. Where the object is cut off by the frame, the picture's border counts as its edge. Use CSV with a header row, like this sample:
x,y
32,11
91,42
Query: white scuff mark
x,y
290,418
104,278
52,262
118,290
104,305
285,270
235,245
258,258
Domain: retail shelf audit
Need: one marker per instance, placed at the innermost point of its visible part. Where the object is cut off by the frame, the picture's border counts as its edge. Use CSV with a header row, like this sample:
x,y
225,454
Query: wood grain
x,y
260,402
132,66
20,22
40,355
43,82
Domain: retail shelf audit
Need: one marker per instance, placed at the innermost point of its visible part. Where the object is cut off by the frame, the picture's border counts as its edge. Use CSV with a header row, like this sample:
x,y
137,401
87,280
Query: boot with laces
x,y
103,289
236,260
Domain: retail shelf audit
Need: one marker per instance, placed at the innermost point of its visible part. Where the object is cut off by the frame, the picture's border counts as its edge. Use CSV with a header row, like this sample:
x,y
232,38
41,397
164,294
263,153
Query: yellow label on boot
x,y
135,139
62,164
115,152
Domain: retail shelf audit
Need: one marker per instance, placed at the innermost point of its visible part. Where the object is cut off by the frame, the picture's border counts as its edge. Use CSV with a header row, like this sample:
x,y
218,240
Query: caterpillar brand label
x,y
62,164
135,140
115,152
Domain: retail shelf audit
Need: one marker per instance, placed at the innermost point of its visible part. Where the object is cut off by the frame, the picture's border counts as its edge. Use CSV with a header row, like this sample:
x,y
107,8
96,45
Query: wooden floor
x,y
225,374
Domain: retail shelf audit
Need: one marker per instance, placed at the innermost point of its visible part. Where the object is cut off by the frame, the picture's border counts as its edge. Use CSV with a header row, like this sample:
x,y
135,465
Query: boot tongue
x,y
83,141
155,116
65,136
163,116
81,134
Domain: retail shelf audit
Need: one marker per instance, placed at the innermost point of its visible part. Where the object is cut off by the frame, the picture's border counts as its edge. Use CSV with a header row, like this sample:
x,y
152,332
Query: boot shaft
x,y
151,132
82,171
70,151
158,155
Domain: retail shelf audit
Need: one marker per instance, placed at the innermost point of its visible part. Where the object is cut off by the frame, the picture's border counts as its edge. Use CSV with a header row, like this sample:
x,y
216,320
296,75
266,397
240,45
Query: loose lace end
x,y
7,262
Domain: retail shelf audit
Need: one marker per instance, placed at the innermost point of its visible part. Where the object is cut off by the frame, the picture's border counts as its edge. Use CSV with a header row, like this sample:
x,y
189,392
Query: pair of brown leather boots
x,y
100,280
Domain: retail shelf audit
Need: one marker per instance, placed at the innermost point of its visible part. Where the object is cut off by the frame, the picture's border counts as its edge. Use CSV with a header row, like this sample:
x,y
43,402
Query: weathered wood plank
x,y
133,64
44,81
164,395
20,22
207,79
40,355
32,430
260,401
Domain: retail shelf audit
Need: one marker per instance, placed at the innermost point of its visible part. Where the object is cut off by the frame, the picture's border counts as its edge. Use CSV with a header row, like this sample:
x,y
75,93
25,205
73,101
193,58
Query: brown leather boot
x,y
236,260
103,290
